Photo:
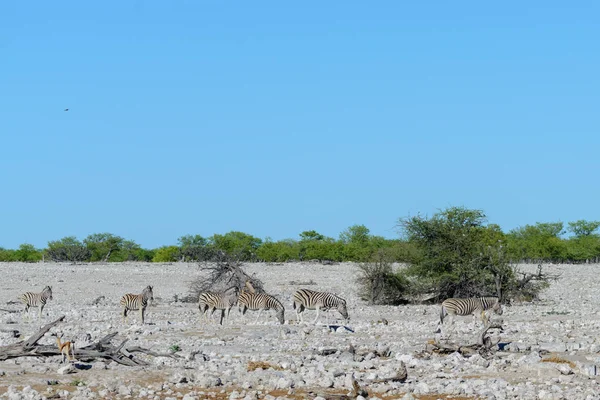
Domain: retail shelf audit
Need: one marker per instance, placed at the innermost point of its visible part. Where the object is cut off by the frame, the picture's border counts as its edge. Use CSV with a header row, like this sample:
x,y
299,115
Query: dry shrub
x,y
254,365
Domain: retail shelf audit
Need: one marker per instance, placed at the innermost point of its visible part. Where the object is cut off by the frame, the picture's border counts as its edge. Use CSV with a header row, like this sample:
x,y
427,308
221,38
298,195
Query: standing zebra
x,y
311,300
216,301
474,305
31,299
135,302
260,302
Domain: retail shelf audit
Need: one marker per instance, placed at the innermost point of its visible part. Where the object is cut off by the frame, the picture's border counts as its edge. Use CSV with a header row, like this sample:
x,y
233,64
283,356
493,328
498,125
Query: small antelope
x,y
65,348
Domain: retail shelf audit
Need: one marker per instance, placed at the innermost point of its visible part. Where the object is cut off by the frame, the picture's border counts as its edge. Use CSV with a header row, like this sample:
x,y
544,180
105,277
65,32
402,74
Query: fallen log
x,y
102,349
484,345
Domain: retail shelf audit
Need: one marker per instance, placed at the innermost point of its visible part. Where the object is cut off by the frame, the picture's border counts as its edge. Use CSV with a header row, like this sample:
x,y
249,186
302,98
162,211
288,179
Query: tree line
x,y
541,242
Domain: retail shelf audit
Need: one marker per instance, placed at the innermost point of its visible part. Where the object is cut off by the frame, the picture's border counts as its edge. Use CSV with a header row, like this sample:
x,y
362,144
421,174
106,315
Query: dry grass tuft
x,y
254,365
556,359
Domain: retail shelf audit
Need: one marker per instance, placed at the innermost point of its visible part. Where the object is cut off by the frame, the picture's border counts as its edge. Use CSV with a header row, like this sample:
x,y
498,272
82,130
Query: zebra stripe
x,y
133,302
312,300
260,302
216,301
470,306
31,299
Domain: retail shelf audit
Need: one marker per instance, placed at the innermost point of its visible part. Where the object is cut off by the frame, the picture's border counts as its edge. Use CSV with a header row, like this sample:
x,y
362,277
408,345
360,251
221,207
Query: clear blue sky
x,y
271,118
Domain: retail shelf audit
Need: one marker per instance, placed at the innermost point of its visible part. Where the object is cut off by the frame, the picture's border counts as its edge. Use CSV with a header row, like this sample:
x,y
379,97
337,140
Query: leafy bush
x,y
195,248
239,245
458,256
68,249
27,253
166,254
281,251
103,245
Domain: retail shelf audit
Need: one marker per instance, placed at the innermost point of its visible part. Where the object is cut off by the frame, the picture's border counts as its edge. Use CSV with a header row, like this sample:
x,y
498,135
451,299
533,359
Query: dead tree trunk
x,y
484,345
102,349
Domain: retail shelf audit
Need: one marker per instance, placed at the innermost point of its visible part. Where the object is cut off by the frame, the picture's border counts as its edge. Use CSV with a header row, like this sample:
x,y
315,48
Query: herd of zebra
x,y
303,299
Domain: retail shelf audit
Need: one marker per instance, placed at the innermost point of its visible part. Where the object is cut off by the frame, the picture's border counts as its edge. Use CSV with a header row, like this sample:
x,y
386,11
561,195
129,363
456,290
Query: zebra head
x,y
47,292
341,307
147,293
280,316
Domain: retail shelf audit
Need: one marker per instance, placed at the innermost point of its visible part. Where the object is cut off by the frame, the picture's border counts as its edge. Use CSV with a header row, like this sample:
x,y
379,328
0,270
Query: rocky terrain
x,y
549,349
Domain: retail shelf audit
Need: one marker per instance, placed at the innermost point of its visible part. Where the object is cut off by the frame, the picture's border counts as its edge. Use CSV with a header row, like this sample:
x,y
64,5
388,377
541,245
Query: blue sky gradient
x,y
272,118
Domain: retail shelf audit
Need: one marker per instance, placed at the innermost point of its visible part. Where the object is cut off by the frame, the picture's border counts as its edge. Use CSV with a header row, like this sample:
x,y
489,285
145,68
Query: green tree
x,y
539,242
195,248
314,246
27,253
450,258
103,245
7,255
127,251
356,234
280,251
583,228
166,254
68,249
239,245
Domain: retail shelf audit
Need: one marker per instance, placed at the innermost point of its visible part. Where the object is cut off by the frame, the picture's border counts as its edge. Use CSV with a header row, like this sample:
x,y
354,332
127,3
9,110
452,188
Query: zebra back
x,y
32,299
311,299
216,300
136,301
261,301
469,306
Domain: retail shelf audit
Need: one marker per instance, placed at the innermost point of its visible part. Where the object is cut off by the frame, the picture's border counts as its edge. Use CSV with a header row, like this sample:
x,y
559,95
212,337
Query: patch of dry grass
x,y
254,365
556,359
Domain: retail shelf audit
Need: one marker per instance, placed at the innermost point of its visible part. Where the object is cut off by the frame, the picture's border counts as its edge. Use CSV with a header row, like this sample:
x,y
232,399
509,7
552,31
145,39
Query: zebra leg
x,y
317,317
41,309
142,309
258,316
124,314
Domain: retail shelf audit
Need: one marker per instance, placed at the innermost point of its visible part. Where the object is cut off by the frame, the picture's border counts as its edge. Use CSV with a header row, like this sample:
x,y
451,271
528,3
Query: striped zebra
x,y
216,301
134,302
473,305
311,300
31,299
260,301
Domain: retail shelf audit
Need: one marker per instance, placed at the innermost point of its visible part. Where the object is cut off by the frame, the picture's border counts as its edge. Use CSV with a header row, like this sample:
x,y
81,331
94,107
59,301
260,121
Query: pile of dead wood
x,y
100,350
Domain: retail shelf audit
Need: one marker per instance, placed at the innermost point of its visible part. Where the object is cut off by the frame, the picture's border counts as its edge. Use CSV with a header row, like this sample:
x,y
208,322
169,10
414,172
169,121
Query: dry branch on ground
x,y
102,349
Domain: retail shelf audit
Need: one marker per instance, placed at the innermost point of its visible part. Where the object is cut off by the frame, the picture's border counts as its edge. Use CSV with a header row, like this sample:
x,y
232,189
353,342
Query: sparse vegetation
x,y
379,284
537,243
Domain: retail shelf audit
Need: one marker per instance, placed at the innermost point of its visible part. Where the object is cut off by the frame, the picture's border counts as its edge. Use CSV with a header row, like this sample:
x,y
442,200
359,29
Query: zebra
x,y
135,302
260,301
473,305
216,301
31,299
311,300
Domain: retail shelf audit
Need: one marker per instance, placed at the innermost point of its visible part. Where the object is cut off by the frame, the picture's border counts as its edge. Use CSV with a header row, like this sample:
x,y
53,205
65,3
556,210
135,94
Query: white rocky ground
x,y
562,327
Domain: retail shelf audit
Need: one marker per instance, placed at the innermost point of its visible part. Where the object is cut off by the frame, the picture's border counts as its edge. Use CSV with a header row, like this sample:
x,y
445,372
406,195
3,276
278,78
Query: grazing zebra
x,y
311,300
474,305
31,299
260,302
216,301
135,302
